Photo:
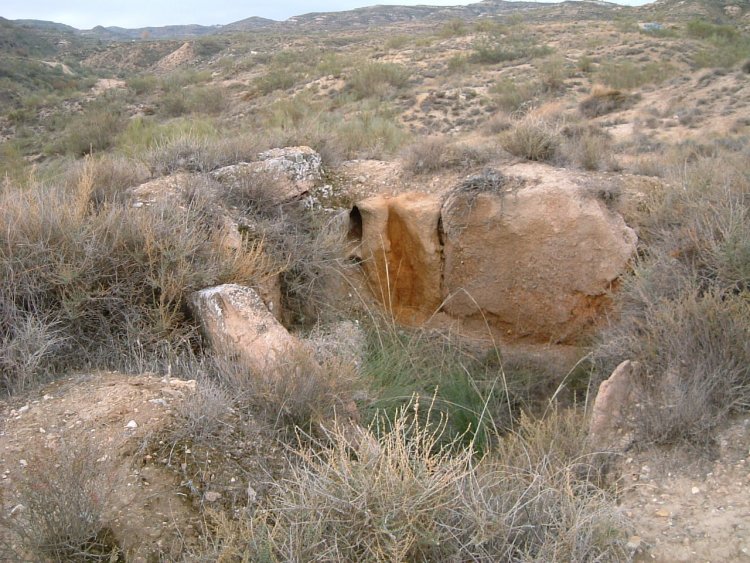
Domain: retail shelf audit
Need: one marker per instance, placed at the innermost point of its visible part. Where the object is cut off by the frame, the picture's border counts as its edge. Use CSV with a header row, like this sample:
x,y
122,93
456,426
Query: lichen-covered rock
x,y
237,323
281,175
301,164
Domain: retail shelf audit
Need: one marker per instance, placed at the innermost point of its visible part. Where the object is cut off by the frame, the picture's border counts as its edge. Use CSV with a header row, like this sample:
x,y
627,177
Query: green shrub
x,y
397,41
512,96
277,78
701,29
377,79
143,84
494,49
629,75
368,135
209,100
453,28
458,64
94,130
173,104
209,46
553,72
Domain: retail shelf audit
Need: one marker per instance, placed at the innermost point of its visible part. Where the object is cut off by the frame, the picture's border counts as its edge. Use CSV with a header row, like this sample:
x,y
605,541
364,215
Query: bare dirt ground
x,y
687,507
114,415
684,506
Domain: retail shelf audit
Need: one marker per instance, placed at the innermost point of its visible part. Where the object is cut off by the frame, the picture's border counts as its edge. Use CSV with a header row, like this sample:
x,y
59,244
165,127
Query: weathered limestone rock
x,y
614,404
281,175
237,323
302,164
398,243
534,256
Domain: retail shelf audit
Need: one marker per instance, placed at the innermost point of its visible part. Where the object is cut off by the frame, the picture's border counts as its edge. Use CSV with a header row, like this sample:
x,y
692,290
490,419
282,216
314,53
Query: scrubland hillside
x,y
344,288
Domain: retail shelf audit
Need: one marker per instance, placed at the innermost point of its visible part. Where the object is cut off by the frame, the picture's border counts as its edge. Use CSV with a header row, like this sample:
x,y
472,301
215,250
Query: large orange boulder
x,y
535,255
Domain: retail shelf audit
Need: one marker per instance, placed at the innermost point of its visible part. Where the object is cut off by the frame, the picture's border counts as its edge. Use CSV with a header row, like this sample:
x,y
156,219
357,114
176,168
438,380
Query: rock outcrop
x,y
279,176
609,428
534,255
397,241
238,324
536,259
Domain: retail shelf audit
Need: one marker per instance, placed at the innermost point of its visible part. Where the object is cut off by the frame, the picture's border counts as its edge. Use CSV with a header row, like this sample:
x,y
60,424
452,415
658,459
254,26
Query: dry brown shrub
x,y
603,100
433,154
60,515
392,494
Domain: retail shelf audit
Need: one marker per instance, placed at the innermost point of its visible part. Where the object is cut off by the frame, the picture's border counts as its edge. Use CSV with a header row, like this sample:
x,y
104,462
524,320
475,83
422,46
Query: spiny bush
x,y
684,313
110,281
64,496
394,494
377,79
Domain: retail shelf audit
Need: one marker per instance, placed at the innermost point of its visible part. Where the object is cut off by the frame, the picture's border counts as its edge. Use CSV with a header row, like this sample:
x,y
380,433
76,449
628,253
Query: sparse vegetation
x,y
377,79
419,443
532,138
380,498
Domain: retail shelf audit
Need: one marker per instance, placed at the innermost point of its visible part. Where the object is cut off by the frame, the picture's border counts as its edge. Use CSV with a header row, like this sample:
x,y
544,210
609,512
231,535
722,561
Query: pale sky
x,y
144,13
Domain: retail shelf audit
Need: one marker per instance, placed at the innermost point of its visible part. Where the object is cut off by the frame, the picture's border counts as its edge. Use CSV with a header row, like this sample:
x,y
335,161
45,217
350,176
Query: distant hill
x,y
371,16
382,15
718,11
19,40
114,33
249,24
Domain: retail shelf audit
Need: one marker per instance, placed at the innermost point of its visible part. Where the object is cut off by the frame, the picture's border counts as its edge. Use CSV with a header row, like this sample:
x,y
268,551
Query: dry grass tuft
x,y
532,138
392,494
603,101
433,154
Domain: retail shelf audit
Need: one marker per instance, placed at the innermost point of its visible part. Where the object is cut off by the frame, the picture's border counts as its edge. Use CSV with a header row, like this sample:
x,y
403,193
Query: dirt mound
x,y
176,58
115,416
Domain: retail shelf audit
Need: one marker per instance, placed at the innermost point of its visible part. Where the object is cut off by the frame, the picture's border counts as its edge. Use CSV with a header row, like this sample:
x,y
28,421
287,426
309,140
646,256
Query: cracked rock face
x,y
534,257
397,241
